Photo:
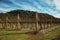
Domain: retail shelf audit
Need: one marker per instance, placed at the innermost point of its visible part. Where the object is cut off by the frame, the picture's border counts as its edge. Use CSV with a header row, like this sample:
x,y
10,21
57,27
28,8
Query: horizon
x,y
51,7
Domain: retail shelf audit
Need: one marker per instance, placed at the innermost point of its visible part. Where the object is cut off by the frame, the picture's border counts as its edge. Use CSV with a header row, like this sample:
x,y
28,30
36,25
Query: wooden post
x,y
36,22
18,23
50,22
6,22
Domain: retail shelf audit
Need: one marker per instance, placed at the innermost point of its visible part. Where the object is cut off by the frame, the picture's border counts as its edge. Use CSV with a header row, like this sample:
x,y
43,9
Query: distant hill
x,y
27,14
24,13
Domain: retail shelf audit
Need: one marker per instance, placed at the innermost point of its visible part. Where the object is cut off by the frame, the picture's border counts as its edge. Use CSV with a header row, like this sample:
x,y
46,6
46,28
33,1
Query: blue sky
x,y
51,7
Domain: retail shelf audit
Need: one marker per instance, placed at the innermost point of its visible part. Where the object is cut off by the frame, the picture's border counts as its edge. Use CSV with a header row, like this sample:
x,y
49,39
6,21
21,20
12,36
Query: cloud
x,y
46,6
6,9
57,4
4,5
25,6
3,9
57,15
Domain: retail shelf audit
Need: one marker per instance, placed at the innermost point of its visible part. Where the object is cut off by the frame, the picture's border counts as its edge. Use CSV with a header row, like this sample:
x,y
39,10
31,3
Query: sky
x,y
51,7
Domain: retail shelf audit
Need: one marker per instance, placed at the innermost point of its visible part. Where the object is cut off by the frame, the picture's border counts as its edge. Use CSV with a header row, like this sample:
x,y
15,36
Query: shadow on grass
x,y
12,34
32,33
0,38
57,38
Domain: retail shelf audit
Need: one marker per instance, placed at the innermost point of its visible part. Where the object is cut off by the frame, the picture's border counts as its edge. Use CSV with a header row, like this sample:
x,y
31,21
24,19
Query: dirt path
x,y
41,33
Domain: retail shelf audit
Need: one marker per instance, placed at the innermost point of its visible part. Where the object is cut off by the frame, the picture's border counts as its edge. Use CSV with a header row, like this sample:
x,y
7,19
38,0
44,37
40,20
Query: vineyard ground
x,y
20,35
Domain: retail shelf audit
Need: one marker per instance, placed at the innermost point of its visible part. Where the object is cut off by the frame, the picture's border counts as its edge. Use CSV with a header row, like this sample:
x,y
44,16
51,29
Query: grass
x,y
19,35
51,35
13,35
